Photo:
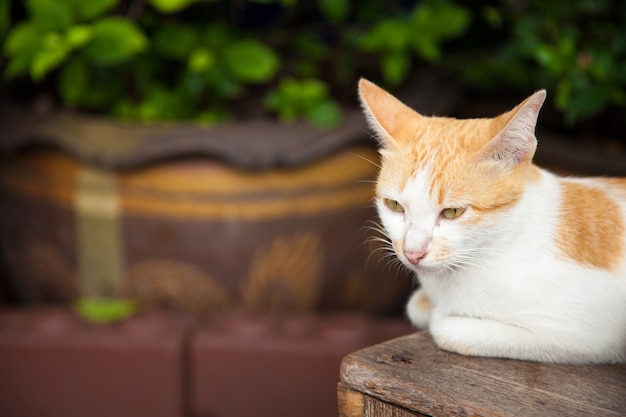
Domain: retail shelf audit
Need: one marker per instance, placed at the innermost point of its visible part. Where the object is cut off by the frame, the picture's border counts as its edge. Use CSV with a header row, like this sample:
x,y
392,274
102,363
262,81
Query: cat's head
x,y
447,187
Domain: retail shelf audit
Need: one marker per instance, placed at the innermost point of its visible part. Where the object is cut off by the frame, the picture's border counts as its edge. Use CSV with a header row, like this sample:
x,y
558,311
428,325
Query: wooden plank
x,y
412,373
373,407
356,404
350,402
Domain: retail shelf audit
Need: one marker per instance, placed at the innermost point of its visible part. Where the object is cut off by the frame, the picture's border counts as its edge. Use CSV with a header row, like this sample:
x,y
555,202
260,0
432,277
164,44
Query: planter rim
x,y
250,144
254,145
259,144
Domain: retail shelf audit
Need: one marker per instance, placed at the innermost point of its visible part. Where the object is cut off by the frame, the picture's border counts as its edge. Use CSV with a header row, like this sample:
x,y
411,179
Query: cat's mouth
x,y
416,261
429,262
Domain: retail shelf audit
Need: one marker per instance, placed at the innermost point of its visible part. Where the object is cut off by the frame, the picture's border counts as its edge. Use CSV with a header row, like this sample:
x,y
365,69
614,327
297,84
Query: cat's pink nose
x,y
414,257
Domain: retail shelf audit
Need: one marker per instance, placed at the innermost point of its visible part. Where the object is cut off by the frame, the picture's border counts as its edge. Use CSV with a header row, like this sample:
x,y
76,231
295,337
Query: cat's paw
x,y
458,334
419,309
483,337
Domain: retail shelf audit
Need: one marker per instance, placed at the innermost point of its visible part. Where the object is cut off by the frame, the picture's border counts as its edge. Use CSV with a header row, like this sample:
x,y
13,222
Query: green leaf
x,y
306,98
5,17
23,40
493,16
432,24
216,35
563,94
73,82
192,86
306,91
175,41
387,35
50,14
395,67
170,6
251,61
105,310
90,9
601,64
440,21
114,41
222,85
107,85
587,102
53,52
78,35
161,105
17,66
334,10
200,60
427,49
326,114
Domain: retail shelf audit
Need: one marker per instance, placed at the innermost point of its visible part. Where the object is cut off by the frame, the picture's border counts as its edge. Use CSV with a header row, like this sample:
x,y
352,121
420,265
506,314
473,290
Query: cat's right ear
x,y
388,116
516,141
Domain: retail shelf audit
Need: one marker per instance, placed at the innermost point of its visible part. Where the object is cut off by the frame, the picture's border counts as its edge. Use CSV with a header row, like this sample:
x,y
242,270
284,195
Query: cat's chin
x,y
428,269
423,268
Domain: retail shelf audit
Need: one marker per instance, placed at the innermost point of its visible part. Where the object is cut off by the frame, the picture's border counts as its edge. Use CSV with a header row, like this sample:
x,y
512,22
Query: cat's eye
x,y
393,205
452,212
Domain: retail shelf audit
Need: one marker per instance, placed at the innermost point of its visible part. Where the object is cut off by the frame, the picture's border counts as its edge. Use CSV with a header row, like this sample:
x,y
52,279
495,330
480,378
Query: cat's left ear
x,y
516,142
388,116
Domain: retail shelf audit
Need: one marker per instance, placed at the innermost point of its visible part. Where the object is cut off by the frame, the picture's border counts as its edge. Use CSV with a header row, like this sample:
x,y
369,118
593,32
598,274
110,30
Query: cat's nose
x,y
414,256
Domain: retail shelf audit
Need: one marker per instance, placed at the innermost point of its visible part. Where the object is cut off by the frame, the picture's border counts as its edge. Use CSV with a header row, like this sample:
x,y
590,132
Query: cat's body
x,y
513,261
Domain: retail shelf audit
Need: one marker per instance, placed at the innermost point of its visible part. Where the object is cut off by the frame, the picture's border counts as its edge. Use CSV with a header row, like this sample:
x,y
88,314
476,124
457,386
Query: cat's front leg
x,y
482,337
419,309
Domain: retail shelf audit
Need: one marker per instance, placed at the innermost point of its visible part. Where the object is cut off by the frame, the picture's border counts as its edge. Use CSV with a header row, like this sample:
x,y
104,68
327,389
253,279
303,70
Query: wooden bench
x,y
410,376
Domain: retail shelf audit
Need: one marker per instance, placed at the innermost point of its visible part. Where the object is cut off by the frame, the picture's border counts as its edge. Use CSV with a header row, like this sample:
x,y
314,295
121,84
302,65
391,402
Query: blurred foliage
x,y
106,310
212,60
162,60
577,50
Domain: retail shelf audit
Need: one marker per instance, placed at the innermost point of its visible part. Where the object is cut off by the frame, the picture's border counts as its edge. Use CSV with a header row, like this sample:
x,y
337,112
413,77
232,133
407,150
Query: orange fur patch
x,y
423,302
591,226
442,250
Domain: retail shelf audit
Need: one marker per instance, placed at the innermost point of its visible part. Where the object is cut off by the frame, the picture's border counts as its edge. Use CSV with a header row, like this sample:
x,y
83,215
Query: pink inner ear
x,y
516,142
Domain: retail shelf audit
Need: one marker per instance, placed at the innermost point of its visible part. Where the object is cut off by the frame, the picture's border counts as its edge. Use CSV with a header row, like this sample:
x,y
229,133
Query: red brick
x,y
267,365
54,364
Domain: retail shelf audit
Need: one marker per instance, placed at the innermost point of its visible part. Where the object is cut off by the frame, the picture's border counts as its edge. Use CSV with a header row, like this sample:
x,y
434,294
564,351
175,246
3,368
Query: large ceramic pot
x,y
258,215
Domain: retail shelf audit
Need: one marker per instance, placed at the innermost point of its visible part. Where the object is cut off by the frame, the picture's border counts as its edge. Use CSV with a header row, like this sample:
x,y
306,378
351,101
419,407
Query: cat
x,y
513,261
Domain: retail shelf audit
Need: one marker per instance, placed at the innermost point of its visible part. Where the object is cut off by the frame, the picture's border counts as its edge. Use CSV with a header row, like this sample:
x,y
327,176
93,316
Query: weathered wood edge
x,y
349,401
412,373
356,404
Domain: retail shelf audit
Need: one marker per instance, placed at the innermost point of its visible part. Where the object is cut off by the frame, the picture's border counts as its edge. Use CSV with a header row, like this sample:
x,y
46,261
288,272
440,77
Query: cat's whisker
x,y
374,226
379,245
386,253
377,165
462,261
392,264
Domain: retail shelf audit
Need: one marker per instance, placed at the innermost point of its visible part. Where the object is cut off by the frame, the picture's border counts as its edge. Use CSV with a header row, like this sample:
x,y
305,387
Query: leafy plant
x,y
420,32
308,98
207,60
576,49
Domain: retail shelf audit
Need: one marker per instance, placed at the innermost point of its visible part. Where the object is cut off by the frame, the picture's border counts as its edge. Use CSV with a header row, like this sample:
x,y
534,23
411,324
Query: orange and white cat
x,y
513,261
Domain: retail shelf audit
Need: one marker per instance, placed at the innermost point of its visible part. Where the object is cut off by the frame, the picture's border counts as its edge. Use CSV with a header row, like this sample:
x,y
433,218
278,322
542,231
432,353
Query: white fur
x,y
504,289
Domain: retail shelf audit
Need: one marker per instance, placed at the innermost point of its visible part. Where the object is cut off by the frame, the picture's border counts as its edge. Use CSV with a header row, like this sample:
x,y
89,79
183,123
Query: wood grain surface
x,y
413,374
